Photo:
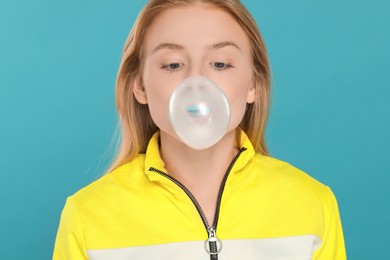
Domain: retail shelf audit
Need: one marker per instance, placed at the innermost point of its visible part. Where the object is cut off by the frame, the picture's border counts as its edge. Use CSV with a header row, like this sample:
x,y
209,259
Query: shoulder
x,y
112,183
285,184
288,178
291,197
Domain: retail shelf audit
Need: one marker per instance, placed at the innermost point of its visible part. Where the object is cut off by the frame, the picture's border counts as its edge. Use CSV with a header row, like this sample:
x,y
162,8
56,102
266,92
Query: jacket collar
x,y
153,158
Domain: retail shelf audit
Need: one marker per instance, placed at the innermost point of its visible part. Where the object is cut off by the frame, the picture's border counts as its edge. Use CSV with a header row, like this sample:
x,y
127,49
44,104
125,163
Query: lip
x,y
200,109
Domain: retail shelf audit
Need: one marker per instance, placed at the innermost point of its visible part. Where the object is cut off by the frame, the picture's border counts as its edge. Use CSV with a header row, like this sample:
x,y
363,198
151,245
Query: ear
x,y
139,91
251,97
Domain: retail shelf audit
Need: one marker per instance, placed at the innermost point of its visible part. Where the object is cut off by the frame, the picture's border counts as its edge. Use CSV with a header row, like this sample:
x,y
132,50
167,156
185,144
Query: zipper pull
x,y
213,245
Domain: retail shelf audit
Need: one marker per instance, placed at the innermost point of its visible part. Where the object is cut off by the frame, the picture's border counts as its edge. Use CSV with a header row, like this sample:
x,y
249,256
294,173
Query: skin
x,y
196,40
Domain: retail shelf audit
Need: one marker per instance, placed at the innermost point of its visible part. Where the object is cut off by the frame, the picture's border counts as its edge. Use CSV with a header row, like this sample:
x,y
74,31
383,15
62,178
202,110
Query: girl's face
x,y
198,40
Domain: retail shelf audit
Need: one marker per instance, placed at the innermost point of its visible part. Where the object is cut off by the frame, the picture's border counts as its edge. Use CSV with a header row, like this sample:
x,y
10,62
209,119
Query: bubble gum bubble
x,y
199,112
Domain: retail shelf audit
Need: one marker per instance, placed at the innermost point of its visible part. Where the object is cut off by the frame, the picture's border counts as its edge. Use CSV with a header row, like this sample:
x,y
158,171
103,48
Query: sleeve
x,y
332,246
70,243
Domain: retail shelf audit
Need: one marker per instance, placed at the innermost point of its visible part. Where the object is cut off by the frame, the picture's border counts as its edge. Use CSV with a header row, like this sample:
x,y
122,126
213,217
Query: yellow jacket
x,y
268,210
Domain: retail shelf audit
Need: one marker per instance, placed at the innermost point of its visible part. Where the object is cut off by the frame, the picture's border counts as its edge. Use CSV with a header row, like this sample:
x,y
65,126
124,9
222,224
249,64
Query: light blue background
x,y
330,114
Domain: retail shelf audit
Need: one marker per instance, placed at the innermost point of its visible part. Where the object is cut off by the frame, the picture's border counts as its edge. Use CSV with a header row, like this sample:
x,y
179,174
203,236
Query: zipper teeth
x,y
192,197
222,187
189,194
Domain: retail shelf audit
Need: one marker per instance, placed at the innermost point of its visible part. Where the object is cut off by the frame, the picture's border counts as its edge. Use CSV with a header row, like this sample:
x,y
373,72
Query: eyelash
x,y
169,69
225,65
178,66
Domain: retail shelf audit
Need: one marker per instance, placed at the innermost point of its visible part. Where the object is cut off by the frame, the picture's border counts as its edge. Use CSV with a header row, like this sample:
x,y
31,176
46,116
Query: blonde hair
x,y
136,124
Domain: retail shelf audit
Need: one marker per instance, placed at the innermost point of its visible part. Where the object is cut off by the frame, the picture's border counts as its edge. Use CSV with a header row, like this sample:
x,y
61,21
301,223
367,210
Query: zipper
x,y
212,245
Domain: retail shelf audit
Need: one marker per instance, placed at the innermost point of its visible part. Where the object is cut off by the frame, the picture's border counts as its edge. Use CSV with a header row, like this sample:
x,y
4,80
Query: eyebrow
x,y
224,44
178,47
170,46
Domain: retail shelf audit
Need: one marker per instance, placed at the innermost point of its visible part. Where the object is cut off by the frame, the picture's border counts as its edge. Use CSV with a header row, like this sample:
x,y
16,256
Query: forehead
x,y
195,26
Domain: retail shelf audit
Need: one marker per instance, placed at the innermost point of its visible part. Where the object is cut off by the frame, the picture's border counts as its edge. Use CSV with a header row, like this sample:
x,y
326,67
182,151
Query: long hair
x,y
135,120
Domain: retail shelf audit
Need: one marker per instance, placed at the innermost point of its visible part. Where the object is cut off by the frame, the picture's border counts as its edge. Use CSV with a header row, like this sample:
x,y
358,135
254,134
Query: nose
x,y
197,68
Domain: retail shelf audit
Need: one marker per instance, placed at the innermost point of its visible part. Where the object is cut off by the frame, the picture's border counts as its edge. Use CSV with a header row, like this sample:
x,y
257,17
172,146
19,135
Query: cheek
x,y
157,88
238,106
158,105
237,94
158,91
237,88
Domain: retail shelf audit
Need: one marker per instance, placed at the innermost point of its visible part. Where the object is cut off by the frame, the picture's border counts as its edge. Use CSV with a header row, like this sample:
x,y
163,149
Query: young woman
x,y
165,200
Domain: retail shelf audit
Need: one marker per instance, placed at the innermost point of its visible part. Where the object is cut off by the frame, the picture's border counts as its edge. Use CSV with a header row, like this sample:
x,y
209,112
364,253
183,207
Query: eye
x,y
172,66
220,65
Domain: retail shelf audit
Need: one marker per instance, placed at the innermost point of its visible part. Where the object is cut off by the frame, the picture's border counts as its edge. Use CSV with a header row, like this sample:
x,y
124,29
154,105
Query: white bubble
x,y
199,112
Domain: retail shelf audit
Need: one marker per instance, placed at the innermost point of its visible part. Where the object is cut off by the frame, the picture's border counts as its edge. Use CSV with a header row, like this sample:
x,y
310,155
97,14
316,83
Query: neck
x,y
192,167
